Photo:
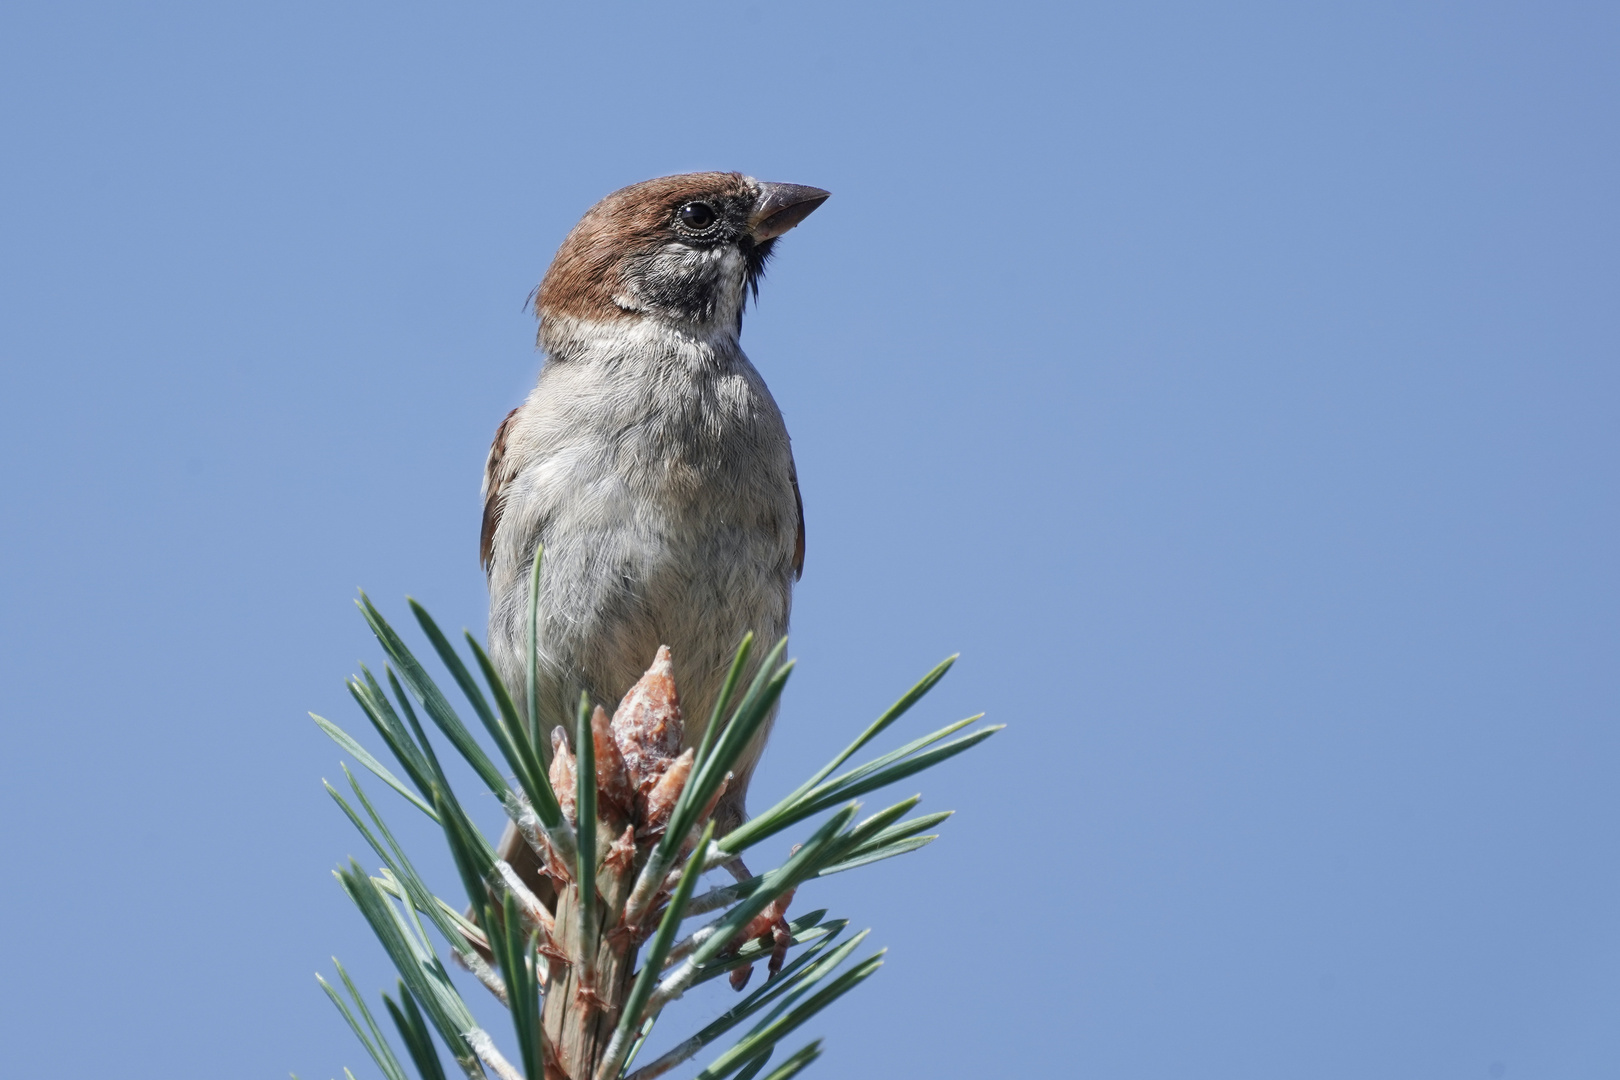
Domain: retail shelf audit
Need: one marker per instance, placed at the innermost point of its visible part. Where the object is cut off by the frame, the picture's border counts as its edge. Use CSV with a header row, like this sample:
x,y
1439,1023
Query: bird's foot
x,y
770,928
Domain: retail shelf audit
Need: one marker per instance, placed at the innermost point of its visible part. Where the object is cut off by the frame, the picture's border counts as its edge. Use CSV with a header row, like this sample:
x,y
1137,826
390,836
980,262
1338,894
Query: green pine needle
x,y
399,904
414,1033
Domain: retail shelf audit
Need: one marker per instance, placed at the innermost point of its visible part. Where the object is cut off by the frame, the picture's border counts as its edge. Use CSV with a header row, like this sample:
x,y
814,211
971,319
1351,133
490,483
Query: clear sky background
x,y
1234,386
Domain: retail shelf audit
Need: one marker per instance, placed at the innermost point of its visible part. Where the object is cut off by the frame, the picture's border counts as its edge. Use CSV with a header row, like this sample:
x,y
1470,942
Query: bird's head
x,y
683,251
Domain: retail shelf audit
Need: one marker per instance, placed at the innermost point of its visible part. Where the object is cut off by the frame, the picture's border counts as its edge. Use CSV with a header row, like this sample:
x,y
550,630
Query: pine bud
x,y
615,792
562,771
660,801
647,724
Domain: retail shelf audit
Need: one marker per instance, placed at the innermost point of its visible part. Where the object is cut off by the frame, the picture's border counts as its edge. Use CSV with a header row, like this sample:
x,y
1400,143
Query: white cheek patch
x,y
679,262
731,272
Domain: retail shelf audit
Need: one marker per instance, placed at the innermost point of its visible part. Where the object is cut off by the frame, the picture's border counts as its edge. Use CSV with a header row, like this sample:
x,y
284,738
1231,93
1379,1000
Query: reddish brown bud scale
x,y
660,801
616,792
647,724
553,865
563,774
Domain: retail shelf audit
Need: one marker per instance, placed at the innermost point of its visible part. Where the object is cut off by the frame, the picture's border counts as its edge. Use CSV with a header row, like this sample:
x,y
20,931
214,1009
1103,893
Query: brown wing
x,y
798,544
493,479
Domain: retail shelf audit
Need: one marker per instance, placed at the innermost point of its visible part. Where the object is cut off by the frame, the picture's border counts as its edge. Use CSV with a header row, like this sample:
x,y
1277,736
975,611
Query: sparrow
x,y
650,460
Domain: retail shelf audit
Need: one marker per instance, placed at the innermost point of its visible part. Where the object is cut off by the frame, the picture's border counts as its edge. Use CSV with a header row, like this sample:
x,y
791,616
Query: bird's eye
x,y
696,215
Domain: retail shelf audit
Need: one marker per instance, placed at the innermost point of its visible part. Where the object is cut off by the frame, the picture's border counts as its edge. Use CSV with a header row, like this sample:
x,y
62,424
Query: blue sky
x,y
1234,386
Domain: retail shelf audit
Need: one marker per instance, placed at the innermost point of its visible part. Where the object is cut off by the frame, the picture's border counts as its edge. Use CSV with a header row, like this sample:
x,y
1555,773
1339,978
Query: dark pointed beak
x,y
782,206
